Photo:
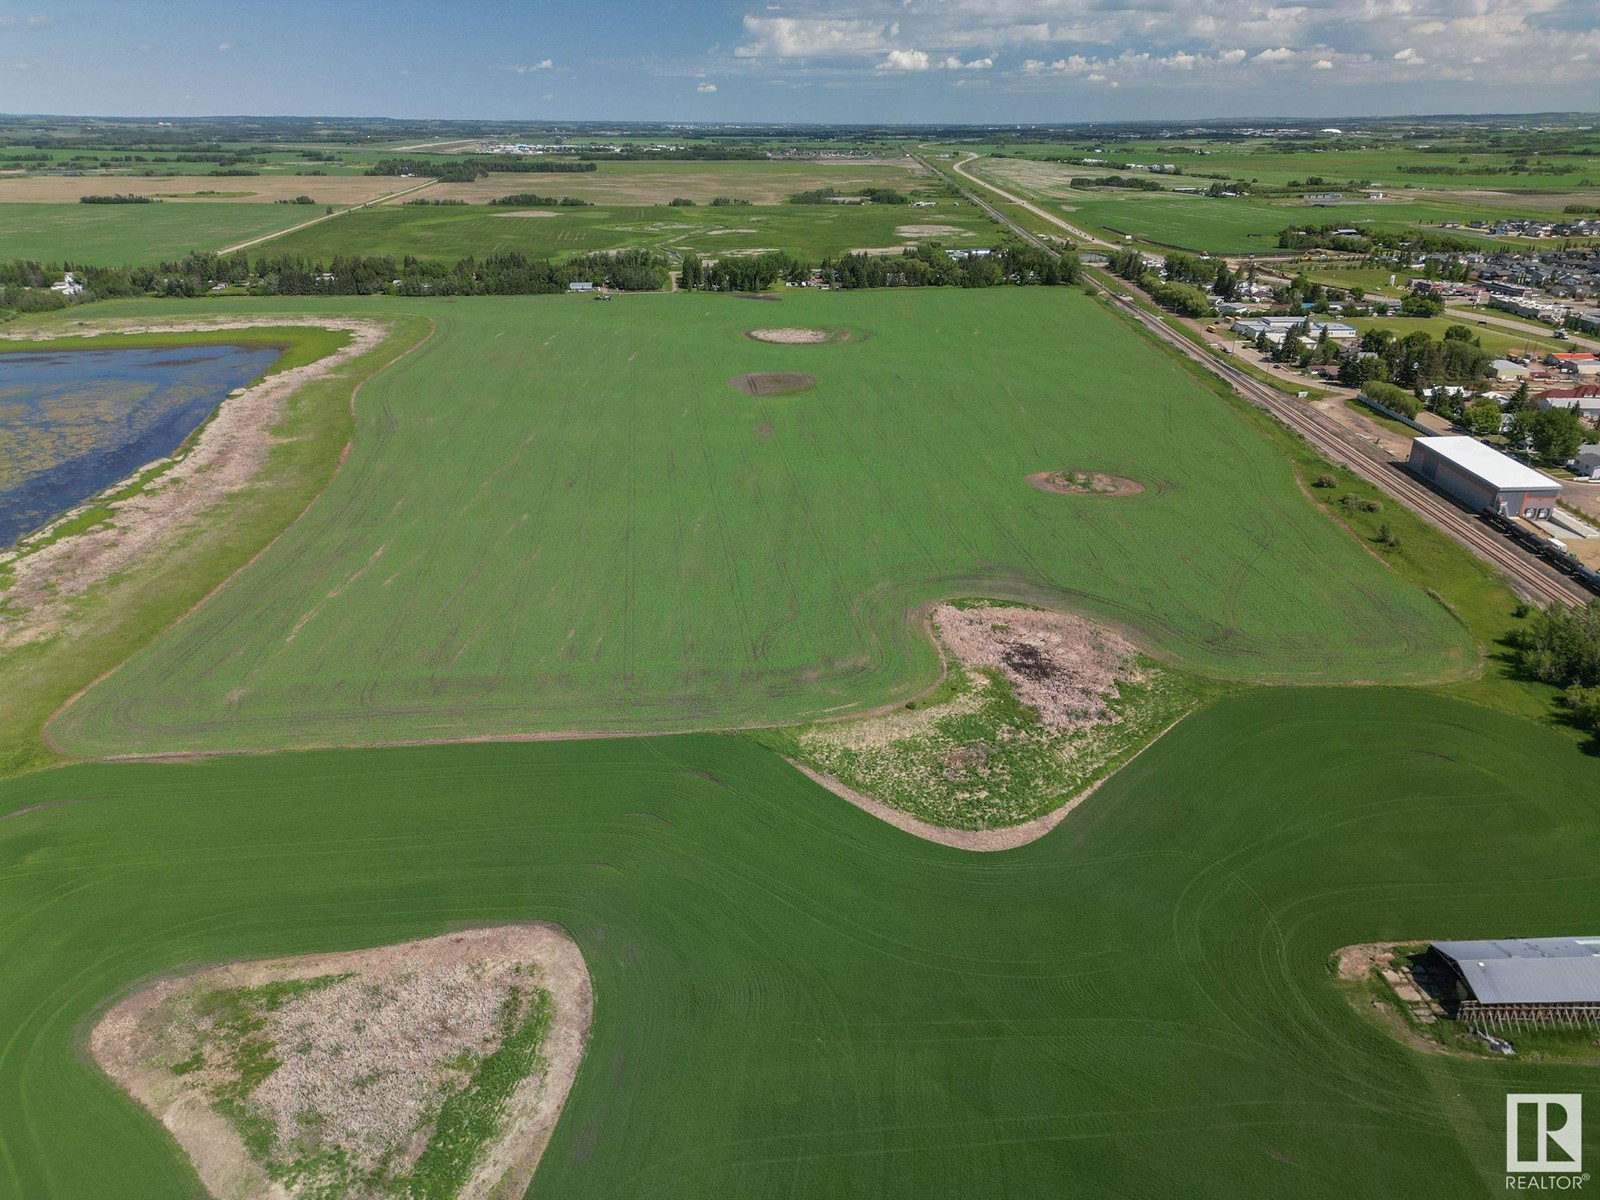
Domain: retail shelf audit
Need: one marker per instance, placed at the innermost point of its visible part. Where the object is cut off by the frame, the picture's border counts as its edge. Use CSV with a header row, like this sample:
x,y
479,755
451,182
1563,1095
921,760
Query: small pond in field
x,y
74,422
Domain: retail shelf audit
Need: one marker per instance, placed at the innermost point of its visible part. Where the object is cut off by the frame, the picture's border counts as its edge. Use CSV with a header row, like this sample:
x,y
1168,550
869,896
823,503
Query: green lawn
x,y
809,231
117,235
558,515
796,1000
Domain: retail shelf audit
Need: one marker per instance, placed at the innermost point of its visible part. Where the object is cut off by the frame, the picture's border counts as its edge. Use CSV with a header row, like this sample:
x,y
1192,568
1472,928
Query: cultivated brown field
x,y
177,189
632,183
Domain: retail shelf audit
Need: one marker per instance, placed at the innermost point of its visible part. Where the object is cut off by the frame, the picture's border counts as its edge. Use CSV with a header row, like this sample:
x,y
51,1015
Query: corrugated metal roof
x,y
1529,970
1487,464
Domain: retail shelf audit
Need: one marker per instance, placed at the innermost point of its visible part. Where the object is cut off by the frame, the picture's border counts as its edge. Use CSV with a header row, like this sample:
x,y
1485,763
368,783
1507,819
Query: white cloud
x,y
705,88
1545,43
544,64
905,60
807,37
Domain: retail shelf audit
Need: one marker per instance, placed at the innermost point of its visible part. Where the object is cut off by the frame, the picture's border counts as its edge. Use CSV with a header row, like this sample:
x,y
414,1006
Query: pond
x,y
74,422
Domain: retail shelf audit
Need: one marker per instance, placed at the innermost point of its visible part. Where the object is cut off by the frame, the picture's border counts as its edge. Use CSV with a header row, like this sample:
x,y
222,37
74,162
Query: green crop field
x,y
106,235
794,999
809,231
1236,226
1278,164
557,514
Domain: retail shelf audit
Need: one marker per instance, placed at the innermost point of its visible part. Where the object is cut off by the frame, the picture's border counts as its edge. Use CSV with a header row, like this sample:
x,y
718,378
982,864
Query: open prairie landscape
x,y
558,515
719,659
794,998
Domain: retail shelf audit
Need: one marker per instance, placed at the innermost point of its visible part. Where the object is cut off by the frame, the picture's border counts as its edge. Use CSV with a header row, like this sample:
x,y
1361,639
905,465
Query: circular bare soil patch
x,y
1084,483
772,383
798,337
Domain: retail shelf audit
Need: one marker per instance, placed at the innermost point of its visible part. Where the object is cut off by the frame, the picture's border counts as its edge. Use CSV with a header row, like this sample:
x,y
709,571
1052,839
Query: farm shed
x,y
1483,478
1535,980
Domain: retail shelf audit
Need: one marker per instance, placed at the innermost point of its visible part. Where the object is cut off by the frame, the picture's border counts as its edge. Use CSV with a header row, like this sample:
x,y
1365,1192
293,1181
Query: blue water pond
x,y
74,422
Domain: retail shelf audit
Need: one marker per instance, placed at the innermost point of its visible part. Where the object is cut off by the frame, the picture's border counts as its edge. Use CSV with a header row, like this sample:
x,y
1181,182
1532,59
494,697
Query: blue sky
x,y
806,60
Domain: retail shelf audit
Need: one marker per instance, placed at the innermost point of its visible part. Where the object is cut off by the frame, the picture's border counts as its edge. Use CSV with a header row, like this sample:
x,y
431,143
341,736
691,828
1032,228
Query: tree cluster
x,y
466,170
740,273
929,266
533,200
1561,646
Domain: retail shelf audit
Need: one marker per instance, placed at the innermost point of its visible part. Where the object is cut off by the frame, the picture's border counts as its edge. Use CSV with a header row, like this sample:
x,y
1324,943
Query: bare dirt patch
x,y
798,337
772,383
226,455
530,212
1083,483
371,1047
916,231
1036,709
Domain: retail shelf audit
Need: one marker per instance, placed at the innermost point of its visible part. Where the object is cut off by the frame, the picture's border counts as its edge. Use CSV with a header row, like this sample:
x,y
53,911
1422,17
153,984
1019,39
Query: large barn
x,y
1523,980
1482,478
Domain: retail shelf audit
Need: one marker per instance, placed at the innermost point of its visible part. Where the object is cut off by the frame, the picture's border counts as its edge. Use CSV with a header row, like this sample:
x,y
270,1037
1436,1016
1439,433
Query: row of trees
x,y
930,266
534,200
1181,292
465,170
26,286
1416,361
1328,237
118,198
868,195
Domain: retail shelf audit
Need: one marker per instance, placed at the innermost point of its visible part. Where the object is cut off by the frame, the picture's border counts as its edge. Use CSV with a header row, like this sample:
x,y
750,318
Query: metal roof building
x,y
1540,971
1482,478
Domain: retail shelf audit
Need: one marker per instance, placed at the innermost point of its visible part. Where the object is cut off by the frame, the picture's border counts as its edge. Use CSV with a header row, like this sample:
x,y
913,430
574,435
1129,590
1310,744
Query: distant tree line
x,y
466,170
868,195
25,286
929,266
1137,183
1328,237
118,198
533,200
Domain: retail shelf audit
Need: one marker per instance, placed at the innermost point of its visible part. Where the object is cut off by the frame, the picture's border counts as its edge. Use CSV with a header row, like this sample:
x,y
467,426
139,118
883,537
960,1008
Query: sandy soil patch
x,y
797,337
772,383
914,231
222,459
369,1044
1084,483
530,212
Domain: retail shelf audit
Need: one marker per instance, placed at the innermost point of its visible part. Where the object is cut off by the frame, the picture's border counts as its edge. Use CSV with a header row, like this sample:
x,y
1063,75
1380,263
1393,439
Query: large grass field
x,y
558,515
1223,226
810,231
1276,164
117,235
793,999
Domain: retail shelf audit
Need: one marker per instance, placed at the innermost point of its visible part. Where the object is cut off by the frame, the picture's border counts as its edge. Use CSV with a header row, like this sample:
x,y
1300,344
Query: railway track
x,y
1530,577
